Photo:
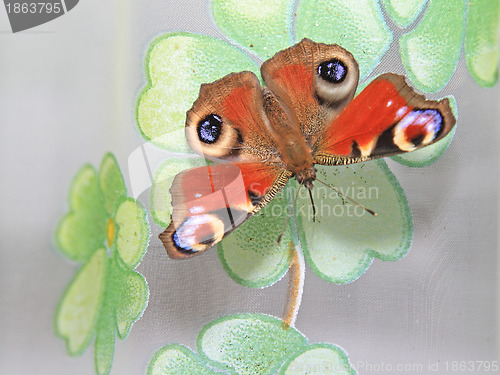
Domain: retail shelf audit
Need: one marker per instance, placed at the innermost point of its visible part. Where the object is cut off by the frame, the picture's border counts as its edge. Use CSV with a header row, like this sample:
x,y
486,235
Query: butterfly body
x,y
263,136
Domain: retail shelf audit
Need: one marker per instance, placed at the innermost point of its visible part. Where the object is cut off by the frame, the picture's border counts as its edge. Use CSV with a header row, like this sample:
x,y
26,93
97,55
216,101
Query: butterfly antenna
x,y
288,216
349,198
313,206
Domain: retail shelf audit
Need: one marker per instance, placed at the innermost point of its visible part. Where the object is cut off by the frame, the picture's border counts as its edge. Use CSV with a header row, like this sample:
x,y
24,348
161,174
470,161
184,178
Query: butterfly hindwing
x,y
210,202
388,117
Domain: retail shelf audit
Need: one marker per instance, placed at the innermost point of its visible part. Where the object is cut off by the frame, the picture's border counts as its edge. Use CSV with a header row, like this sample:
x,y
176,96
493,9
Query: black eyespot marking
x,y
333,71
356,152
209,129
418,139
385,141
254,197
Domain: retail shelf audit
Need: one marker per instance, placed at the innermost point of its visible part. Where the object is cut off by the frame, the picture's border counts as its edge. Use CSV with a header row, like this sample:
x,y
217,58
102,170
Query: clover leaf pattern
x,y
361,28
108,234
432,49
250,344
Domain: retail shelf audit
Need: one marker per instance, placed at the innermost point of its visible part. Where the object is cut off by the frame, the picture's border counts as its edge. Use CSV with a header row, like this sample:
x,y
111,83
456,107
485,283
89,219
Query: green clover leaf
x,y
176,359
341,244
482,41
82,230
260,26
108,233
431,51
177,64
247,344
342,241
404,12
251,256
318,359
132,238
79,308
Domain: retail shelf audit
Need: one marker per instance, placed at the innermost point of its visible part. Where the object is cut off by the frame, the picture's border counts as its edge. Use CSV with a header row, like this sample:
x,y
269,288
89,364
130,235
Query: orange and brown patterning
x,y
263,136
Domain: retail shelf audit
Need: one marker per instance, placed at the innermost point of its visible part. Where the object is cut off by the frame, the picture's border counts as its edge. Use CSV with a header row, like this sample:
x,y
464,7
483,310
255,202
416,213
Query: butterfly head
x,y
306,177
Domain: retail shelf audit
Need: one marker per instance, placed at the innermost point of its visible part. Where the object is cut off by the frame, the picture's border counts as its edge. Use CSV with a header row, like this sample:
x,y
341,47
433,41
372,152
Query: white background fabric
x,y
68,93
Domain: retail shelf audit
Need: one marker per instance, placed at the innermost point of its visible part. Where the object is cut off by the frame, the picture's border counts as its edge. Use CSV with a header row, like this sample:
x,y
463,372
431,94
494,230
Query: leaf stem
x,y
296,274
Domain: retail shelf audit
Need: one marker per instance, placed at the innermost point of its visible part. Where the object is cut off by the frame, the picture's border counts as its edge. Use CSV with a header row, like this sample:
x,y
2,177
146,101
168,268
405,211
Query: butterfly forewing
x,y
227,121
314,81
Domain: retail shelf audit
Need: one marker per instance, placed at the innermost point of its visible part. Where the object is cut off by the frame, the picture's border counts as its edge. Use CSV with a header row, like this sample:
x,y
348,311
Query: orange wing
x,y
313,81
388,117
227,121
210,202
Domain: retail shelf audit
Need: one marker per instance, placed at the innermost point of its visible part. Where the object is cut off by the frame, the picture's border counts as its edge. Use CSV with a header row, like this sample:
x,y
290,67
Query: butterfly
x,y
261,136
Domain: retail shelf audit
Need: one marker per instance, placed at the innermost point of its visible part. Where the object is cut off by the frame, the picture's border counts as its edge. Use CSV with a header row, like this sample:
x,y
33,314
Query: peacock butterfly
x,y
263,136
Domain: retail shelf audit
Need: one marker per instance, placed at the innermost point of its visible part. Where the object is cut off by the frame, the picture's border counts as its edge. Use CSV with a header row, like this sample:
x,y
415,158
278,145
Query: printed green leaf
x,y
176,359
105,295
131,300
77,314
133,232
248,343
177,64
177,142
319,359
104,347
358,26
253,344
404,12
482,41
250,254
429,154
111,183
340,245
82,230
161,207
260,26
431,51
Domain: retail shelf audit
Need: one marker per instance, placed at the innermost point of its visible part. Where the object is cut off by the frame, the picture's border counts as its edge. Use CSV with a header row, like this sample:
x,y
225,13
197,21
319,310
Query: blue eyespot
x,y
181,244
209,129
333,71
